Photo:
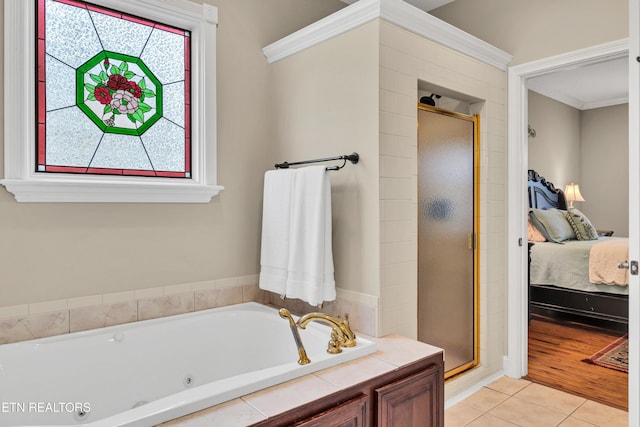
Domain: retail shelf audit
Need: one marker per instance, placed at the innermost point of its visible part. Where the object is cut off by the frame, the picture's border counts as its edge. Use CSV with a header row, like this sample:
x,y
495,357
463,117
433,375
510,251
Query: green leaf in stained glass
x,y
148,93
129,74
89,87
130,116
96,78
139,116
142,83
104,75
91,97
124,66
107,109
115,70
144,107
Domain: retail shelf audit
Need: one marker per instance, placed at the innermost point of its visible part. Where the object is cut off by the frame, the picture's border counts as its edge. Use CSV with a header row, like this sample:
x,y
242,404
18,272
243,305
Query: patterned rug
x,y
614,356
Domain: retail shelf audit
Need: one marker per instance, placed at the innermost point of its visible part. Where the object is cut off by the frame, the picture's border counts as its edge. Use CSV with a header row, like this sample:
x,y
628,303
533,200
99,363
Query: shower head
x,y
429,99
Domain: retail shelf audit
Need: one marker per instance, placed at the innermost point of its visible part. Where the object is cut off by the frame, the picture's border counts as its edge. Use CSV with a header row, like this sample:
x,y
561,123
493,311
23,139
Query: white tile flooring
x,y
509,402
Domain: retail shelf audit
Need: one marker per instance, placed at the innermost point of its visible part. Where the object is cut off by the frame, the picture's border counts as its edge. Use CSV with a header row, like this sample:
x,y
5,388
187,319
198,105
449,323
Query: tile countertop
x,y
393,351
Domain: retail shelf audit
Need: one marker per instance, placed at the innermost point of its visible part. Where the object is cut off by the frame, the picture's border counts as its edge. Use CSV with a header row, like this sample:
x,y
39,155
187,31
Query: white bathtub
x,y
144,373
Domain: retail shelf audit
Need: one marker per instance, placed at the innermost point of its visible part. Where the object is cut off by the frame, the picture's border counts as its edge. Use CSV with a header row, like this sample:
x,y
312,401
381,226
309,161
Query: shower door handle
x,y
471,241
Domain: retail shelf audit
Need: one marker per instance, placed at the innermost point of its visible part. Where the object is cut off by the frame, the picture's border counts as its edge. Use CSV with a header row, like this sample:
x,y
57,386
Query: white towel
x,y
276,214
310,275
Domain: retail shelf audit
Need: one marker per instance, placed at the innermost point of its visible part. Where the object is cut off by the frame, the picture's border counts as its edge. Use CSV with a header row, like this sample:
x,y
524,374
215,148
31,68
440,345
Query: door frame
x,y
517,252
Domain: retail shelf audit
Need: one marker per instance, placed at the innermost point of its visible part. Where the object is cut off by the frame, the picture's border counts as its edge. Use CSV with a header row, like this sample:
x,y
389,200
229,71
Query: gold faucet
x,y
341,333
302,353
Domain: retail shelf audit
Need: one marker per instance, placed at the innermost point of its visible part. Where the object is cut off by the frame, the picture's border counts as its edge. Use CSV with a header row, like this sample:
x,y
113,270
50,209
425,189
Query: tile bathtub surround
x,y
25,322
39,320
512,402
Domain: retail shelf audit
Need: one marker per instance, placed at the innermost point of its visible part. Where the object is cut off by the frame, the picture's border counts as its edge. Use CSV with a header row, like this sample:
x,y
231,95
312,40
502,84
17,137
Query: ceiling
x,y
596,85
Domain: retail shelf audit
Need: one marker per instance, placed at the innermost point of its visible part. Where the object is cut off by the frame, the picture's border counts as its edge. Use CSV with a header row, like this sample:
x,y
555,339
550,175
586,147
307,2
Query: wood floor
x,y
556,350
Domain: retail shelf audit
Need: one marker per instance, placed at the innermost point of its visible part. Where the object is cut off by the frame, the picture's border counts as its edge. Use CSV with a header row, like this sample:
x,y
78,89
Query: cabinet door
x,y
413,401
349,414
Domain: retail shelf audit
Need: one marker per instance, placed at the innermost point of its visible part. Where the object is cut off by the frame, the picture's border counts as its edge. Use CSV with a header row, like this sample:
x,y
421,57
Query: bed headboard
x,y
543,194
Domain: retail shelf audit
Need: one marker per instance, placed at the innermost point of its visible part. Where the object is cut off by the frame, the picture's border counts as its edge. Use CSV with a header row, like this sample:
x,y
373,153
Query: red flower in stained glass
x,y
135,89
117,82
102,94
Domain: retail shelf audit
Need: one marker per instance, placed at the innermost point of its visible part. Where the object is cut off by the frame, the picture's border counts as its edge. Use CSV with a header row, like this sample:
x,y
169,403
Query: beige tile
x,y
399,350
485,399
14,311
152,308
355,372
211,298
34,326
235,413
508,385
82,319
527,414
460,415
574,422
289,395
488,420
550,398
601,415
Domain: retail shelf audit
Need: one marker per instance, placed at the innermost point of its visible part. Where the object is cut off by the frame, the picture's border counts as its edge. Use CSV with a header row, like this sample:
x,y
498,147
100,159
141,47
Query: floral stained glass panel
x,y
113,93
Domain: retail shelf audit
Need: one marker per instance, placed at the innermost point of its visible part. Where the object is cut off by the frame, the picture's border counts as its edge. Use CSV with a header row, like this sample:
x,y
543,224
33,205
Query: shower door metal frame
x,y
476,233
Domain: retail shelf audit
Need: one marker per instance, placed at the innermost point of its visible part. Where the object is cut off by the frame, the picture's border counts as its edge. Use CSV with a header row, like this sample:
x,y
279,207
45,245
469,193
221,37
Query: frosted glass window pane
x,y
164,54
121,151
70,35
107,71
173,97
164,146
120,35
71,138
61,85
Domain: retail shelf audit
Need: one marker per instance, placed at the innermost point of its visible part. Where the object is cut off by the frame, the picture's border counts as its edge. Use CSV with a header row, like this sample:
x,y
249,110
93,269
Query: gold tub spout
x,y
302,353
341,333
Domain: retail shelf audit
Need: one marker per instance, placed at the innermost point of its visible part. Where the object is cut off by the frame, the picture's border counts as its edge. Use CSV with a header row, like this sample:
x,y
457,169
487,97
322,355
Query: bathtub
x,y
144,373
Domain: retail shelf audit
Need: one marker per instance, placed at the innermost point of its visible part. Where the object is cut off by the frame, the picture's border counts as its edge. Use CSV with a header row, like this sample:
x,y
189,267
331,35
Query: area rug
x,y
614,356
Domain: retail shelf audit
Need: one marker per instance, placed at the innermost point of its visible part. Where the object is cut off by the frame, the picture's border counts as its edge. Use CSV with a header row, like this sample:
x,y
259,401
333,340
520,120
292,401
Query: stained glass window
x,y
113,93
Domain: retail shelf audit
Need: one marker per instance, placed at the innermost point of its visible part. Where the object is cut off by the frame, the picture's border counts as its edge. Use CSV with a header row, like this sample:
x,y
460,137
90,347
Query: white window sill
x,y
116,192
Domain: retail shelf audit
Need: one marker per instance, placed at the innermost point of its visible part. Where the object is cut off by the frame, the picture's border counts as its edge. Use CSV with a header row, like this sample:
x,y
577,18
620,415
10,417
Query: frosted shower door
x,y
446,236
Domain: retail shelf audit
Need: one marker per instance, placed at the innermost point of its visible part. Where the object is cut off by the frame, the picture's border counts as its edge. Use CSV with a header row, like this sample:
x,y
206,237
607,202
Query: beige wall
x,y
604,182
325,103
555,152
586,147
537,29
360,89
52,251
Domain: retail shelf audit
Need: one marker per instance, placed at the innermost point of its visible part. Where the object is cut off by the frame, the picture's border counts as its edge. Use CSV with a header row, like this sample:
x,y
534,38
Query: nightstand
x,y
605,233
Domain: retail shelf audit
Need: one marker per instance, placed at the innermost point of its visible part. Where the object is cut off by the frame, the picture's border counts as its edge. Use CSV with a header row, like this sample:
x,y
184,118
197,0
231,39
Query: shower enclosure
x,y
448,195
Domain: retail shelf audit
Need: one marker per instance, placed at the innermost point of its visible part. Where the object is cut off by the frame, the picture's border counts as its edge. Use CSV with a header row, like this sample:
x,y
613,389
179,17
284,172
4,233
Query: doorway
x,y
516,363
447,235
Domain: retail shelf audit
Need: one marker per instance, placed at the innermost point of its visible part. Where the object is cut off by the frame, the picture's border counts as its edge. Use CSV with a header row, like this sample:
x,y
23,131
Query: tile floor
x,y
509,402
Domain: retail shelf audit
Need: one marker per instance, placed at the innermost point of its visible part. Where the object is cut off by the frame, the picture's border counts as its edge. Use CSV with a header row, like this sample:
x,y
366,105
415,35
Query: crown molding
x,y
396,12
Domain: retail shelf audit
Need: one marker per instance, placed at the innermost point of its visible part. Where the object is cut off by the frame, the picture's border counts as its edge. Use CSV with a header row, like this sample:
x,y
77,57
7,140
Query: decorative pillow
x,y
553,224
581,225
534,235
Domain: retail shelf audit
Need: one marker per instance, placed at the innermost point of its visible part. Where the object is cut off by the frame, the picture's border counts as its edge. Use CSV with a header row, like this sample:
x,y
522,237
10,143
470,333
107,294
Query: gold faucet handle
x,y
334,346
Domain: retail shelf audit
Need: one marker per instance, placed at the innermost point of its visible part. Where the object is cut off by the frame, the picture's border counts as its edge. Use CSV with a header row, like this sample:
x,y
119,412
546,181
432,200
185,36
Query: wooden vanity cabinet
x,y
410,396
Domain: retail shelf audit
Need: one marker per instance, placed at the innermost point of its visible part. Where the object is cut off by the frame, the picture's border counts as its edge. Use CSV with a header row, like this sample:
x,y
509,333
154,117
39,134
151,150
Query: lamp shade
x,y
572,193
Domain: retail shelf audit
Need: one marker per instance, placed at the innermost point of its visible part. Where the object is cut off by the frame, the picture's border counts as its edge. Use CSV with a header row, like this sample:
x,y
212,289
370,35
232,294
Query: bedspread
x,y
604,259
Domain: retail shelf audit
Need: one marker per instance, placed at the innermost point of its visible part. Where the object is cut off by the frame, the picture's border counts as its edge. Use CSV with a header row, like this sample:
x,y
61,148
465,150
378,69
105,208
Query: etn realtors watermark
x,y
44,407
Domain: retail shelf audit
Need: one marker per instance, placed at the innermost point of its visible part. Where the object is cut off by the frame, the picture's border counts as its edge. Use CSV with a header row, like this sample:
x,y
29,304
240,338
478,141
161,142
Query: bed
x,y
572,276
